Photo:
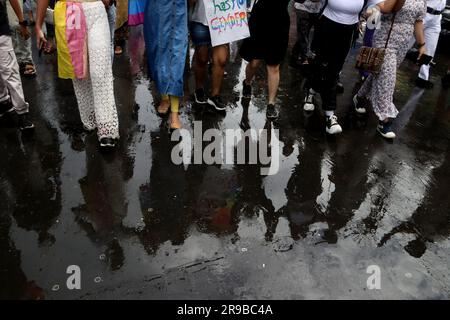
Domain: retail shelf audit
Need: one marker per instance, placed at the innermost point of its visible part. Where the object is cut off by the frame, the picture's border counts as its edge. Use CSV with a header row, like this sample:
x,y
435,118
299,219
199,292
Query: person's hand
x,y
107,3
24,32
368,13
422,51
40,38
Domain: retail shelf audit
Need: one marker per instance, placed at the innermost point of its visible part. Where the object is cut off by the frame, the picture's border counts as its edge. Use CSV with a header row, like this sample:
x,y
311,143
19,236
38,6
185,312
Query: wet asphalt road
x,y
140,227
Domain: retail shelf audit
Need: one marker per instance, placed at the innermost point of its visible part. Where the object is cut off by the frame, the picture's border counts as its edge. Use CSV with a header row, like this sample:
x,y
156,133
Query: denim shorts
x,y
200,34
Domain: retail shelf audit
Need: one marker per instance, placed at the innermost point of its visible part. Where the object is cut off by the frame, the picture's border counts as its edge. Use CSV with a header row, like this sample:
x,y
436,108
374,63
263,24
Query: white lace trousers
x,y
95,95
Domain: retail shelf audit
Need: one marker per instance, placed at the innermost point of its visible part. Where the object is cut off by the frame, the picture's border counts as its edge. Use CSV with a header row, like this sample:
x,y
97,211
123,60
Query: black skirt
x,y
269,32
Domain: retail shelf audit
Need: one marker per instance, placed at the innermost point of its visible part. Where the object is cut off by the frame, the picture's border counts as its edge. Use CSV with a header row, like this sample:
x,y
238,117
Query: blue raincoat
x,y
166,40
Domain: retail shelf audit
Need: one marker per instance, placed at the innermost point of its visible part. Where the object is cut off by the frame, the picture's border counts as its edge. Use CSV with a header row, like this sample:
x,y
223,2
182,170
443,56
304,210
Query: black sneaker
x,y
107,143
385,130
246,90
217,103
422,83
24,122
200,96
6,107
309,104
272,112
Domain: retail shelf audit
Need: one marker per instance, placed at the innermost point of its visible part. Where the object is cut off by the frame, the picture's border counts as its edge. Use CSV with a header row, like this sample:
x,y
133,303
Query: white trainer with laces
x,y
309,101
359,106
333,127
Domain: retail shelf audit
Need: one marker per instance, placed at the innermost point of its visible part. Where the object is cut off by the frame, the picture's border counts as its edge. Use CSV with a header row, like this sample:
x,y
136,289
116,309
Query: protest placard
x,y
227,20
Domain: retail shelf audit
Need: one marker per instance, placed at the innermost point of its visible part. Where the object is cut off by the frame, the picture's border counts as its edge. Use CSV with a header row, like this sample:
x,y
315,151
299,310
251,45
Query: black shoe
x,y
272,112
422,83
107,143
246,90
200,96
6,107
217,103
385,130
24,122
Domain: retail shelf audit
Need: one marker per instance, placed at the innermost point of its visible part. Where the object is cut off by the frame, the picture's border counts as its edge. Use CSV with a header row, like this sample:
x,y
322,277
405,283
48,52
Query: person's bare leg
x,y
201,64
220,57
251,69
273,75
174,116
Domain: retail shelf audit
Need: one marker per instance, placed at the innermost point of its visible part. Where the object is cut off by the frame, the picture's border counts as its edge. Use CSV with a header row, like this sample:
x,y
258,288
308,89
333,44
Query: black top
x,y
4,23
269,29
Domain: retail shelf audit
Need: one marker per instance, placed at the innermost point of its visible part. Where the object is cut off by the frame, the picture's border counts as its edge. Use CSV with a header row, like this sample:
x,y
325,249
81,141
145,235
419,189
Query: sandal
x,y
118,50
27,69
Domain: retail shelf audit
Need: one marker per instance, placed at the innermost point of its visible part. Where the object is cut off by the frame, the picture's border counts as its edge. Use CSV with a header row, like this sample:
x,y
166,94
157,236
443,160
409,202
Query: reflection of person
x,y
105,203
268,42
431,221
379,89
11,91
432,30
93,81
163,199
166,40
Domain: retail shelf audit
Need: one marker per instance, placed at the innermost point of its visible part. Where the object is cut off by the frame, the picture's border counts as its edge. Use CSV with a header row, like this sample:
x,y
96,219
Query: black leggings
x,y
331,44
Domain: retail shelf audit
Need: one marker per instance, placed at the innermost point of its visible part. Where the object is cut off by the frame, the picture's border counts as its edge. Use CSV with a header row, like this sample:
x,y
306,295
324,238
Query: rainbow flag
x,y
136,9
71,39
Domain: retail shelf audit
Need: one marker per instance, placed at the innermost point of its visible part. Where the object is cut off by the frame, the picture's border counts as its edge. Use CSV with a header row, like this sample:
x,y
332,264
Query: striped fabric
x,y
136,9
70,28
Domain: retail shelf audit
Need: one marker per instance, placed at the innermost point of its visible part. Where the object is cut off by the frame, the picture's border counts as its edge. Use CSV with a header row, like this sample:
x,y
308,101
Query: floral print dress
x,y
379,89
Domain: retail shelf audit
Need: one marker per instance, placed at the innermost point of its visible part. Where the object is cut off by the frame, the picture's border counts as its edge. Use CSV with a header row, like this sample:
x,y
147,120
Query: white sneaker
x,y
333,126
385,130
359,107
309,101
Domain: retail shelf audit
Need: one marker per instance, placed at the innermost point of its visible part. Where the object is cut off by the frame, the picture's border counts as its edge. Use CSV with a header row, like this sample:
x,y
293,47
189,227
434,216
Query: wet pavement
x,y
141,227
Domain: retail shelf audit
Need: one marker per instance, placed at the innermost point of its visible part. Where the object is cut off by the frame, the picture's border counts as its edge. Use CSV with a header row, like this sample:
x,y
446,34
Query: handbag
x,y
371,59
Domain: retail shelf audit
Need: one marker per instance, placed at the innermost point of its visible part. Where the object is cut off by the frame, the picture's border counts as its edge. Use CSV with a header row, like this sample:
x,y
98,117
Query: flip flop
x,y
28,70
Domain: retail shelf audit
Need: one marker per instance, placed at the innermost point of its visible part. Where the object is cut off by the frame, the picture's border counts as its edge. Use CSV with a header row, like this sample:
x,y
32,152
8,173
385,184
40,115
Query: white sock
x,y
329,113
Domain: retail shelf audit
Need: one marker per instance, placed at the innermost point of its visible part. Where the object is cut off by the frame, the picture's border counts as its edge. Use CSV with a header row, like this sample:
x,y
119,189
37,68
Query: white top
x,y
13,20
346,11
436,4
310,6
199,13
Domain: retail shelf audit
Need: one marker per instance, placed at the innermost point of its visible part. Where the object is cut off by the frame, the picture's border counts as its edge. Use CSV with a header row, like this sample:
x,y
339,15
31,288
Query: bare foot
x,y
164,106
175,121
